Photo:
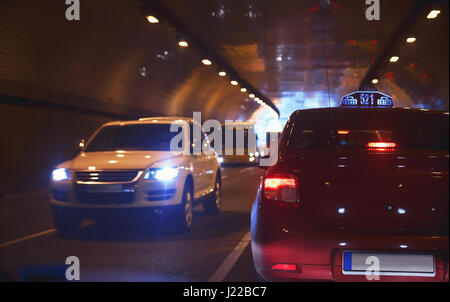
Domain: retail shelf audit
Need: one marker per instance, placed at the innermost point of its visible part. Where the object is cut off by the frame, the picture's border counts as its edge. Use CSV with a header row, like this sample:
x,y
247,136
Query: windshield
x,y
132,137
354,129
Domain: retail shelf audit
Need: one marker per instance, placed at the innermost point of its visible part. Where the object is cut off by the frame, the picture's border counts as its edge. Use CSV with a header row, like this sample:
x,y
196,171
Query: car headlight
x,y
220,160
60,174
161,174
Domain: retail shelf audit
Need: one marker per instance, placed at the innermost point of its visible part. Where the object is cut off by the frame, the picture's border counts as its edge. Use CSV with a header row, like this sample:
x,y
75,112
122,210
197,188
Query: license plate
x,y
390,264
115,188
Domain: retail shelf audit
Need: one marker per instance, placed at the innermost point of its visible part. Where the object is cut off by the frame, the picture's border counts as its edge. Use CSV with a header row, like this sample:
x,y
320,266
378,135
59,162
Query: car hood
x,y
122,160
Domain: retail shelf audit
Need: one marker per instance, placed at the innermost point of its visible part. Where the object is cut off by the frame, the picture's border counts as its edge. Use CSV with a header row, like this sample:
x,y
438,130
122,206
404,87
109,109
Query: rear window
x,y
353,129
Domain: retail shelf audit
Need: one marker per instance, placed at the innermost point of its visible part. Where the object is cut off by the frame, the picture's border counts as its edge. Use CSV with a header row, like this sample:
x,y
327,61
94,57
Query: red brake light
x,y
278,182
285,267
281,188
381,146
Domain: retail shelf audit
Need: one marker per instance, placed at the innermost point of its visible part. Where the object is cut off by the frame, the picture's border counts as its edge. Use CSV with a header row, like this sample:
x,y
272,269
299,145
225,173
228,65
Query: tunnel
x,y
69,67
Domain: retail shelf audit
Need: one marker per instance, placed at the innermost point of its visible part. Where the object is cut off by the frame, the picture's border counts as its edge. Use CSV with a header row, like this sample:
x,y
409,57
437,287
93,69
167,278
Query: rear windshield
x,y
354,129
152,137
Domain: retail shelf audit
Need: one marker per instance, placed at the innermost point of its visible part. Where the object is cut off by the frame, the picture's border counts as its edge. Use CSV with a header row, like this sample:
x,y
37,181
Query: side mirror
x,y
81,144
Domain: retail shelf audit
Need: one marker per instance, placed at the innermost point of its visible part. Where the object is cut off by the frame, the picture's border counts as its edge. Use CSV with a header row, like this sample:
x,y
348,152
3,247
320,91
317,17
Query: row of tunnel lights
x,y
207,62
394,59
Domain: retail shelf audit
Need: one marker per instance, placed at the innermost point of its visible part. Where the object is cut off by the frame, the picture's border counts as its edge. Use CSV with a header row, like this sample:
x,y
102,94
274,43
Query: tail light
x,y
281,188
285,267
381,146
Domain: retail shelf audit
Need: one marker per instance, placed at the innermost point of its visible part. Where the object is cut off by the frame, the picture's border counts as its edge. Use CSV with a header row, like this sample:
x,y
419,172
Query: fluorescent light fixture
x,y
152,19
183,44
394,59
375,81
234,83
433,14
206,62
251,95
243,89
222,73
410,40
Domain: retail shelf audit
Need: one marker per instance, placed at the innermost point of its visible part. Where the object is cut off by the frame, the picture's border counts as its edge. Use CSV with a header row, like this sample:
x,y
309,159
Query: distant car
x,y
232,155
127,169
356,193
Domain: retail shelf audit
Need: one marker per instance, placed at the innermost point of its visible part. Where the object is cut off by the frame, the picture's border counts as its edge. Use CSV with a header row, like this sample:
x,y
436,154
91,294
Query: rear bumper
x,y
282,237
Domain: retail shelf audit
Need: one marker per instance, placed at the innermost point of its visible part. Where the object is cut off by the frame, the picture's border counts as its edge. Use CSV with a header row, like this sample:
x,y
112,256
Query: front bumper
x,y
282,237
137,195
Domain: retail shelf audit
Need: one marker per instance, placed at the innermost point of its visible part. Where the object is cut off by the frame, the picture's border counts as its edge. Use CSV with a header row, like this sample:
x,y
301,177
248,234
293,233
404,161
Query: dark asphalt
x,y
130,252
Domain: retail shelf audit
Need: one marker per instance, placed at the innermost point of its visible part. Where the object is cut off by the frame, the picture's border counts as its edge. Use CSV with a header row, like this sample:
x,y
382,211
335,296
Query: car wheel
x,y
66,223
213,204
184,215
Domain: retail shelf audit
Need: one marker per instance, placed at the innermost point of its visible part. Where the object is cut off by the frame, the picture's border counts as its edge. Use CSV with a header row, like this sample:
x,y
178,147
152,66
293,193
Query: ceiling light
x,y
152,19
411,40
243,89
433,14
183,44
394,59
222,73
206,62
234,83
375,81
251,95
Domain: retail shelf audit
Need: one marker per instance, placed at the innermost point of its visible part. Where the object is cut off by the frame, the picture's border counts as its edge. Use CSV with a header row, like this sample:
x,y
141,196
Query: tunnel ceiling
x,y
296,50
299,54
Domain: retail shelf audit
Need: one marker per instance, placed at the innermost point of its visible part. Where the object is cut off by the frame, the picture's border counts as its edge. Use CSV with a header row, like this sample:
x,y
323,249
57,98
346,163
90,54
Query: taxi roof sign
x,y
372,99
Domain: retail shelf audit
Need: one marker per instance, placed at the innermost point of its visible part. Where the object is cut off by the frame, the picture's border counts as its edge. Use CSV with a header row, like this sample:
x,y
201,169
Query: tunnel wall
x,y
60,80
36,139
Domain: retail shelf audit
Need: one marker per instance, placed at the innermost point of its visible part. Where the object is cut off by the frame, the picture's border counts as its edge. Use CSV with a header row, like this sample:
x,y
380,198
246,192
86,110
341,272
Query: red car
x,y
357,194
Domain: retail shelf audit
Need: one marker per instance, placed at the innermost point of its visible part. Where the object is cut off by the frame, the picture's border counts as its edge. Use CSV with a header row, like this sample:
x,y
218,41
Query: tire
x,y
213,204
66,223
184,210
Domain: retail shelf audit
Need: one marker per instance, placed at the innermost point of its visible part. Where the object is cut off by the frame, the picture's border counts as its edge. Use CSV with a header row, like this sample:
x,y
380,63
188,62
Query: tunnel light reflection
x,y
433,14
394,59
152,19
206,62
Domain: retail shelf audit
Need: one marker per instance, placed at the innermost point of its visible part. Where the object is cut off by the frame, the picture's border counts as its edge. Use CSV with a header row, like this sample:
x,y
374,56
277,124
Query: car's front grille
x,y
156,195
107,176
104,194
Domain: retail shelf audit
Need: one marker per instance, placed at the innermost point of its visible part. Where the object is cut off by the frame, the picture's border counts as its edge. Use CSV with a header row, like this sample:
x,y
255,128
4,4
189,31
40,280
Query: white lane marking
x,y
225,267
8,243
24,195
246,169
84,224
